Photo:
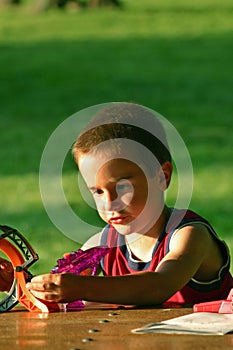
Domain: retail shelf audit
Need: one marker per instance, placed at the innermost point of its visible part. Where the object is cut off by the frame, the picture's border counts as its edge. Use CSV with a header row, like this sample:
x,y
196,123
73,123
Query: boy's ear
x,y
164,176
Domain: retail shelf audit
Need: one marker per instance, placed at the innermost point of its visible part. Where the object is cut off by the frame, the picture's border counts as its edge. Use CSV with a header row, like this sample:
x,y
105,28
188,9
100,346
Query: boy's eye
x,y
124,186
97,192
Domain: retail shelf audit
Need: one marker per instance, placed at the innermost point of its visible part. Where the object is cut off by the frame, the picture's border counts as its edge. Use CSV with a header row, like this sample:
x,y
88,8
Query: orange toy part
x,y
23,295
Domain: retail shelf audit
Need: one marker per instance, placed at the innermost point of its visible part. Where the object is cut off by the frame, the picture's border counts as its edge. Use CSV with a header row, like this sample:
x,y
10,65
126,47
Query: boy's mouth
x,y
118,220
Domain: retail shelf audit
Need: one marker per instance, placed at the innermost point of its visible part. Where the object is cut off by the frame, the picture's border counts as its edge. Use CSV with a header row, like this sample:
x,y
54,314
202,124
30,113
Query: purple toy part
x,y
78,261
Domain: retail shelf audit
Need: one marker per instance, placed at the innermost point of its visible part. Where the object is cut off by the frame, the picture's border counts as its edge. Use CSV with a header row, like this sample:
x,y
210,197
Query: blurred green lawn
x,y
174,57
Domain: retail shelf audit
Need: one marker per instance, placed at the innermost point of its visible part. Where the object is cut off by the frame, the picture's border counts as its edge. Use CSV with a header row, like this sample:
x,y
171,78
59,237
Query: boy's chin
x,y
126,230
133,228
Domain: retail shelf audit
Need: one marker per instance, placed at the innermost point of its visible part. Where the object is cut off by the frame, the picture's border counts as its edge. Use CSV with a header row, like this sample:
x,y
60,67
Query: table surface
x,y
99,327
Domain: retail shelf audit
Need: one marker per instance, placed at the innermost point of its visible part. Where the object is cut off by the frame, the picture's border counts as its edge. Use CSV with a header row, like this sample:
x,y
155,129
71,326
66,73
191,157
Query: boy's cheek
x,y
126,199
103,216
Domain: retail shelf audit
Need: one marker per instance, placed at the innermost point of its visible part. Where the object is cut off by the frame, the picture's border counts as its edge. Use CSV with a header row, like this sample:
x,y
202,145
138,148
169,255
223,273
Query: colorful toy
x,y
79,262
22,256
218,306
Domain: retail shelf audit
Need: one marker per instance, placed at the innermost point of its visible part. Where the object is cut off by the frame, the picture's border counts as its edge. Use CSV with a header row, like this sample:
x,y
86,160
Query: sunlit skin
x,y
191,249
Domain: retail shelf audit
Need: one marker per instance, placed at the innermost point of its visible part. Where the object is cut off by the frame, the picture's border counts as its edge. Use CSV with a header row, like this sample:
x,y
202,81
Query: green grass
x,y
174,57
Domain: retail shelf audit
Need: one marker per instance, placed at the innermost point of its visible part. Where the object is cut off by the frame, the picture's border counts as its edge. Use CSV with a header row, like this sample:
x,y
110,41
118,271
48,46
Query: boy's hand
x,y
54,287
6,275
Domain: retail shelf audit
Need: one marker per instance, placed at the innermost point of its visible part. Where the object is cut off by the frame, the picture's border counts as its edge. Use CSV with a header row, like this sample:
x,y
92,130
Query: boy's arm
x,y
189,249
93,241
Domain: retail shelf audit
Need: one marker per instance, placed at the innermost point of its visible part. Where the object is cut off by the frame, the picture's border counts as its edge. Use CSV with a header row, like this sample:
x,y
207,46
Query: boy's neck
x,y
142,245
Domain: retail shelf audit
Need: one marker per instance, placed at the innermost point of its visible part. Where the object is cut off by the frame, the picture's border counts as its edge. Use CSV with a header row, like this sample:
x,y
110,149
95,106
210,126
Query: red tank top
x,y
119,261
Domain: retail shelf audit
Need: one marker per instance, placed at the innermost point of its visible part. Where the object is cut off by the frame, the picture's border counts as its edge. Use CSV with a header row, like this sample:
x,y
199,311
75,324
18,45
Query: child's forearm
x,y
137,289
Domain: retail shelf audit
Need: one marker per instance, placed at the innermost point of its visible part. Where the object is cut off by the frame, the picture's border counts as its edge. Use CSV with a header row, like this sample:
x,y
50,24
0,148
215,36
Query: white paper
x,y
202,323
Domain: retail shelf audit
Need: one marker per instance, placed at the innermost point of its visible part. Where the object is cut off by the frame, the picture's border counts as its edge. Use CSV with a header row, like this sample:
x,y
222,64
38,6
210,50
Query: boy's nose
x,y
113,202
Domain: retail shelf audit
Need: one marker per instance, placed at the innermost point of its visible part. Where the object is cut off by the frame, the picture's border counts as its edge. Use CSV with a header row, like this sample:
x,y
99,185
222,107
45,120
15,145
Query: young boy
x,y
157,254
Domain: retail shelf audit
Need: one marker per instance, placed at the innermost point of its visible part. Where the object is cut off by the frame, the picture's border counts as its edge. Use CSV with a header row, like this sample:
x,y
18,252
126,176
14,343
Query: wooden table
x,y
96,328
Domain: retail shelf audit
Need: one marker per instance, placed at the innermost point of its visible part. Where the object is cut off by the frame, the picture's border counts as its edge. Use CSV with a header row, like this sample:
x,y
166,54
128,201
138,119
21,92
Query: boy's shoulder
x,y
182,217
93,241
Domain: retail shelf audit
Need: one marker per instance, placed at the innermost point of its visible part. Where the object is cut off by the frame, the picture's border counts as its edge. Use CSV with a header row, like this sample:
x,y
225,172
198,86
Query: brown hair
x,y
127,121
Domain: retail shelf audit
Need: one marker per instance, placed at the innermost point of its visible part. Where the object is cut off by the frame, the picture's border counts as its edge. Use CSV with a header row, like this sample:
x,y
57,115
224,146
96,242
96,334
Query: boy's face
x,y
120,190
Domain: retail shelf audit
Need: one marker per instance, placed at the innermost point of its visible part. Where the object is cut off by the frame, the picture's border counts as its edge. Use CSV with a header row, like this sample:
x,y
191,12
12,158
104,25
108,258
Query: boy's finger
x,y
39,282
41,278
41,286
45,295
36,286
